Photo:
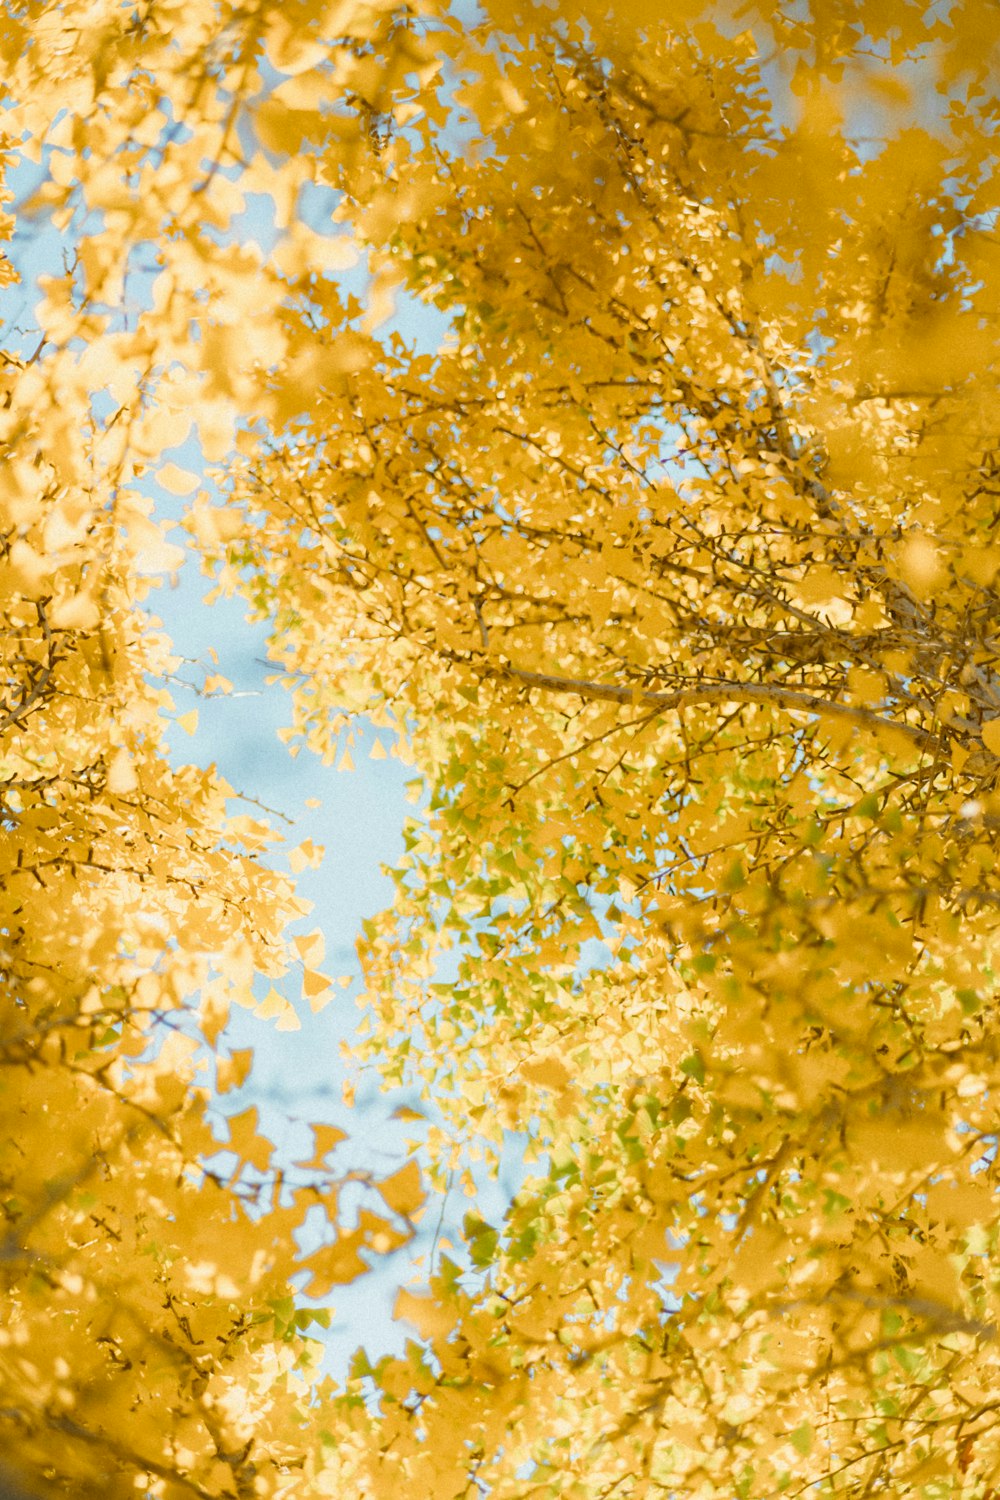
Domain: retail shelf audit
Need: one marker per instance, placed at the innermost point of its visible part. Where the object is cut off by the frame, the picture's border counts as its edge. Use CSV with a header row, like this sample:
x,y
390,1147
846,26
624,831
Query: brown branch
x,y
129,1457
746,693
14,714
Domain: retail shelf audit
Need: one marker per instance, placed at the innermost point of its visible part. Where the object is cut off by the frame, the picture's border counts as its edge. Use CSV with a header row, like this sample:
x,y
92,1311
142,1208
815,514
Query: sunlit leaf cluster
x,y
671,567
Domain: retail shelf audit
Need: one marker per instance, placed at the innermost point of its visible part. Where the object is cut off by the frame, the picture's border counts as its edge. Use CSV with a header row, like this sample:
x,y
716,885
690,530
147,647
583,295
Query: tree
x,y
151,1342
674,572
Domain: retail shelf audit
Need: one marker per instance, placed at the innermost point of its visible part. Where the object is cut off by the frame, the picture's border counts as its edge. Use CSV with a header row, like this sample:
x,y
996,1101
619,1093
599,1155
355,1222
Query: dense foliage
x,y
674,573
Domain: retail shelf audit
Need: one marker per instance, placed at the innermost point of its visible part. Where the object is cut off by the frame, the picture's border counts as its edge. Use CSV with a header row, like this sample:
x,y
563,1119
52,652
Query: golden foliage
x,y
674,572
150,1339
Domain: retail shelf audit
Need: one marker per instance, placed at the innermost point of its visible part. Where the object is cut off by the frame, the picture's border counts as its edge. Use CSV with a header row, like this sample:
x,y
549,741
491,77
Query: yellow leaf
x,y
250,1147
307,854
382,1236
403,1191
325,1139
549,1072
921,566
821,584
898,1143
317,988
991,735
865,686
177,481
214,525
232,1072
962,1204
404,1112
311,946
428,1317
287,48
934,1274
75,612
122,777
334,1265
275,1006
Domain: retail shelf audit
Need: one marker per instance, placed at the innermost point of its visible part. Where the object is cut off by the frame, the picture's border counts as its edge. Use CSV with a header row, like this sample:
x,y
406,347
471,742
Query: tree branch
x,y
763,694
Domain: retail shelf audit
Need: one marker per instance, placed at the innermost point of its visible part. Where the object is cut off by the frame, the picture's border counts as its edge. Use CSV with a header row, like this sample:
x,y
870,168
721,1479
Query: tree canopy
x,y
673,572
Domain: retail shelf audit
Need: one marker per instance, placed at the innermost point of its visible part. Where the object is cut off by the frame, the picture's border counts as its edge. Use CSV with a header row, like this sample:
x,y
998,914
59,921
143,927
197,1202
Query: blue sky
x,y
298,1076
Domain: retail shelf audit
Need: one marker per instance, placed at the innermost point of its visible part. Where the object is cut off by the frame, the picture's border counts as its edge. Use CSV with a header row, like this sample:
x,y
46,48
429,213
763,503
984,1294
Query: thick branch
x,y
721,692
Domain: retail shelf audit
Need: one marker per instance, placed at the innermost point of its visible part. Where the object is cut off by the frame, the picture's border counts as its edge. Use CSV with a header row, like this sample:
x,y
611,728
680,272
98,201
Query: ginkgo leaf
x,y
326,1138
275,1007
428,1317
991,735
921,565
177,481
404,1190
249,1146
306,855
317,988
548,1072
233,1071
334,1265
75,612
122,777
407,1112
662,553
311,947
